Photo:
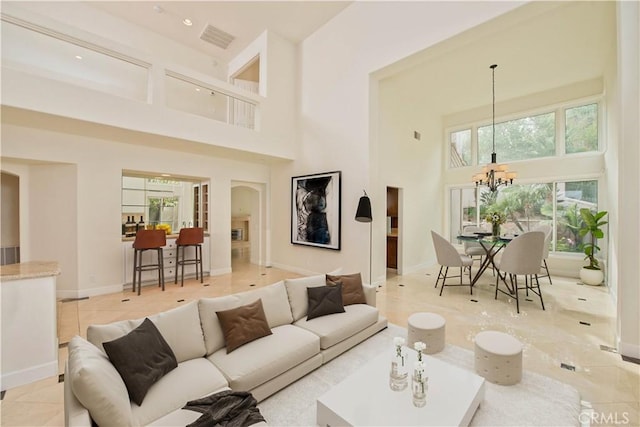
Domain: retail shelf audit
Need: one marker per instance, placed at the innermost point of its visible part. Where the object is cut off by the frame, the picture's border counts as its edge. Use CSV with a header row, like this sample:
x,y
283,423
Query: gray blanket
x,y
226,409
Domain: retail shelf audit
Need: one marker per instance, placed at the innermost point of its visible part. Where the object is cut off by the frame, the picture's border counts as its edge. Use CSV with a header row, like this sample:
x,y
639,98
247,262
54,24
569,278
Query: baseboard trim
x,y
631,351
86,293
29,375
293,269
220,271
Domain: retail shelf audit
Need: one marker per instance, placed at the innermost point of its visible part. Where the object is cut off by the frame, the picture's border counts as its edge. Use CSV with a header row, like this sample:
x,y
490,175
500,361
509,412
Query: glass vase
x,y
419,386
399,374
495,230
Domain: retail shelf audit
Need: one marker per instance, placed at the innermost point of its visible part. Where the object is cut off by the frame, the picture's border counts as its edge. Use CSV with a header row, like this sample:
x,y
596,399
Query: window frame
x,y
560,130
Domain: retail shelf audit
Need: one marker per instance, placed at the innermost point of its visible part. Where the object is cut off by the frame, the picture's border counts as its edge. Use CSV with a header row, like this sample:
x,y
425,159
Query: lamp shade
x,y
363,214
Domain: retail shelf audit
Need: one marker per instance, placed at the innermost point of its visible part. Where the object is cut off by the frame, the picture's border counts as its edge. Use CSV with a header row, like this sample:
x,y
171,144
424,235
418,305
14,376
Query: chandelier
x,y
494,175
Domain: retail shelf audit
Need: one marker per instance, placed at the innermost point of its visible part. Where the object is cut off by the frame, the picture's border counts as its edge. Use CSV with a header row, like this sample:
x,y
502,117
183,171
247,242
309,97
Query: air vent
x,y
216,36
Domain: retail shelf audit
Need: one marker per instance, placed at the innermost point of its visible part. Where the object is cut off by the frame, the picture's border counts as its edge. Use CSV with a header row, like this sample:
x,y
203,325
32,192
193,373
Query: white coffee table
x,y
365,399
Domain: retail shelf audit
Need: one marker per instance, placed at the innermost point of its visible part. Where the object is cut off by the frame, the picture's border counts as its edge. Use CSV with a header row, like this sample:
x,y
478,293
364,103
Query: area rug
x,y
536,401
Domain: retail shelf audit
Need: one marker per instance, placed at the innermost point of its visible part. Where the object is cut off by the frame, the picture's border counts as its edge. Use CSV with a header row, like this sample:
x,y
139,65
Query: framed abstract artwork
x,y
315,210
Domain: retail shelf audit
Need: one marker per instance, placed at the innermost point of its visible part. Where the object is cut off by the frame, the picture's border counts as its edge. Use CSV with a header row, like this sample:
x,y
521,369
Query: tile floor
x,y
551,337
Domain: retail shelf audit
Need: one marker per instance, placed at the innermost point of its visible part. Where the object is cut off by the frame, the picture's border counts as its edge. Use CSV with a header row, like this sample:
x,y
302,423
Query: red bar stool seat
x,y
189,237
148,240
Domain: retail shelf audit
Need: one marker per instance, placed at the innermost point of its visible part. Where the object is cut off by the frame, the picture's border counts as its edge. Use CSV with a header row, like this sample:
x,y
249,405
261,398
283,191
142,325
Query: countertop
x,y
29,270
169,236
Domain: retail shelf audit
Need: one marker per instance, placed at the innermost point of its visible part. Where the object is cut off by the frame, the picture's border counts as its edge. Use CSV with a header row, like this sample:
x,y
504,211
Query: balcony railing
x,y
50,54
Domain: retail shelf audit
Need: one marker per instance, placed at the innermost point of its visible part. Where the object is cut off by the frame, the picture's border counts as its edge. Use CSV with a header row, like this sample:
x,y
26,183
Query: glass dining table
x,y
492,245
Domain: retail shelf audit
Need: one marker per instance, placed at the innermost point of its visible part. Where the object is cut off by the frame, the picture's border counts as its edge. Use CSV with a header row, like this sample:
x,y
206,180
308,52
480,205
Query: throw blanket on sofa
x,y
227,409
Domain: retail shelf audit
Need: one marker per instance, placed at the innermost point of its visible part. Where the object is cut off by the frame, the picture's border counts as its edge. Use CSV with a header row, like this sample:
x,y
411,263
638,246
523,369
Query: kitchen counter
x,y
28,270
28,338
169,236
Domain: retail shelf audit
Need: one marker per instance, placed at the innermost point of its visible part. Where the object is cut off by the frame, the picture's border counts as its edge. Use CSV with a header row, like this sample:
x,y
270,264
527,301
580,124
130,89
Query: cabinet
x,y
201,206
29,346
392,251
392,227
169,257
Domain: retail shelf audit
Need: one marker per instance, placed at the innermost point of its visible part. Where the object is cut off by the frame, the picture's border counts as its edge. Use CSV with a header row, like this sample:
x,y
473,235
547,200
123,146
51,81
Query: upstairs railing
x,y
50,54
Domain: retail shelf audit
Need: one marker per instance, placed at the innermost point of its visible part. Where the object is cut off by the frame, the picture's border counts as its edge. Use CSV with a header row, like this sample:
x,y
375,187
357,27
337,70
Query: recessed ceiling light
x,y
78,57
187,22
165,174
197,89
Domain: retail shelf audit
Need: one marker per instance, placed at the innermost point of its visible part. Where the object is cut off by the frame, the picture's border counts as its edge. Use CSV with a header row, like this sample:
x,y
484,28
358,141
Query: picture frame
x,y
316,210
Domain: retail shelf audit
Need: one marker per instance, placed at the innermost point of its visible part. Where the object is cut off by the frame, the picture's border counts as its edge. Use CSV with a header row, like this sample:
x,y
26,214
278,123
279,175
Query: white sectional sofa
x,y
94,390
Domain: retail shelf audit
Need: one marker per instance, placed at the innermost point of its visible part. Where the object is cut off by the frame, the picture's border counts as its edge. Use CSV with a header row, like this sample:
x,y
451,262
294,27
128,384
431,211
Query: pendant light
x,y
494,175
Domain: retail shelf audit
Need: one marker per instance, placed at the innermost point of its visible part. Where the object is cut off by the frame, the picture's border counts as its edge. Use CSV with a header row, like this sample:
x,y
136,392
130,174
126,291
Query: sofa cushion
x,y
213,336
352,292
274,301
192,379
297,293
243,324
141,357
180,327
261,360
335,328
324,300
97,384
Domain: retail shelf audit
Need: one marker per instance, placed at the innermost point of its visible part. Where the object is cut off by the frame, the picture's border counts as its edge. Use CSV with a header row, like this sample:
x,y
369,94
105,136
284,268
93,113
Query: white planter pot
x,y
591,277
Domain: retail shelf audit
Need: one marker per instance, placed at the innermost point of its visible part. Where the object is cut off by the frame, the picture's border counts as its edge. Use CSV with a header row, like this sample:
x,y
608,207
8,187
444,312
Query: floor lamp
x,y
363,214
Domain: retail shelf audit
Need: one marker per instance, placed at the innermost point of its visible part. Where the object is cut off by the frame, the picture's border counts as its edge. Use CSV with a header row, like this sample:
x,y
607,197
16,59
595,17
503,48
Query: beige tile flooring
x,y
550,337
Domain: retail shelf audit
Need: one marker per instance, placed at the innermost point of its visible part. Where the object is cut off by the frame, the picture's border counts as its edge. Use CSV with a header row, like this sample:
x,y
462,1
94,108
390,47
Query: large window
x,y
460,148
581,129
528,137
521,139
528,206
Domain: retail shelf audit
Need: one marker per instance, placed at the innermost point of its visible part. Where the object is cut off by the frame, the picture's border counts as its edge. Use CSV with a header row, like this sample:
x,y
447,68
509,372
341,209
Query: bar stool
x,y
189,237
148,240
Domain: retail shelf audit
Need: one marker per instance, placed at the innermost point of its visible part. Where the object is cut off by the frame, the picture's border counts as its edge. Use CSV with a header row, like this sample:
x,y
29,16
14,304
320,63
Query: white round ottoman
x,y
498,357
428,328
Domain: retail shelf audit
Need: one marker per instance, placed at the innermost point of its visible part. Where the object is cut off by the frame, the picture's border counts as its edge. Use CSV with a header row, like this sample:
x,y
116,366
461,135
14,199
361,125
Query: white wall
x,y
337,131
628,268
53,217
99,160
413,165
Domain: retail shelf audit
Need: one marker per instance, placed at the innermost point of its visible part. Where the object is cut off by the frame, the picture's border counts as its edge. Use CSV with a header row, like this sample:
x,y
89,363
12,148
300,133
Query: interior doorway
x,y
10,202
247,218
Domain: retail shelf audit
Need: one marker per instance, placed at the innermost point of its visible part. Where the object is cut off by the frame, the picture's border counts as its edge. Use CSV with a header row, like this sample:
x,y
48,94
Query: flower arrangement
x,y
398,377
419,346
419,375
495,217
399,342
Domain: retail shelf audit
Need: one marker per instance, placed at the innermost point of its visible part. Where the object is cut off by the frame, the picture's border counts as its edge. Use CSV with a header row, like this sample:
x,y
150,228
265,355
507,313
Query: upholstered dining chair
x,y
473,249
522,256
547,230
448,256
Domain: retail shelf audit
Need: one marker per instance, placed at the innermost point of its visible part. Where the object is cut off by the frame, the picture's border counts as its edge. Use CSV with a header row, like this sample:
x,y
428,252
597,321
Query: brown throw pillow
x,y
352,292
243,324
141,358
323,300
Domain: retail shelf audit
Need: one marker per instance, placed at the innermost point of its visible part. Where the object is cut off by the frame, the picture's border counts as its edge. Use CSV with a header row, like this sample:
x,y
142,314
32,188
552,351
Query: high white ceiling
x,y
538,47
245,20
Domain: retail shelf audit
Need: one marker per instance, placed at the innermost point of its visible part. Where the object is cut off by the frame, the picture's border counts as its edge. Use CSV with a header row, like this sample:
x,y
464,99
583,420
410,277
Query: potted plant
x,y
592,225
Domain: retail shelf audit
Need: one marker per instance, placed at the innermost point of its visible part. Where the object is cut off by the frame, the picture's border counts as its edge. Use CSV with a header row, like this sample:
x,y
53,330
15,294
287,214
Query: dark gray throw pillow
x,y
141,358
323,300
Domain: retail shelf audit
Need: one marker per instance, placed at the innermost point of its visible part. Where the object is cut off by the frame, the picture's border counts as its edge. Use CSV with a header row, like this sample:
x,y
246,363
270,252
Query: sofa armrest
x,y
370,294
74,413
